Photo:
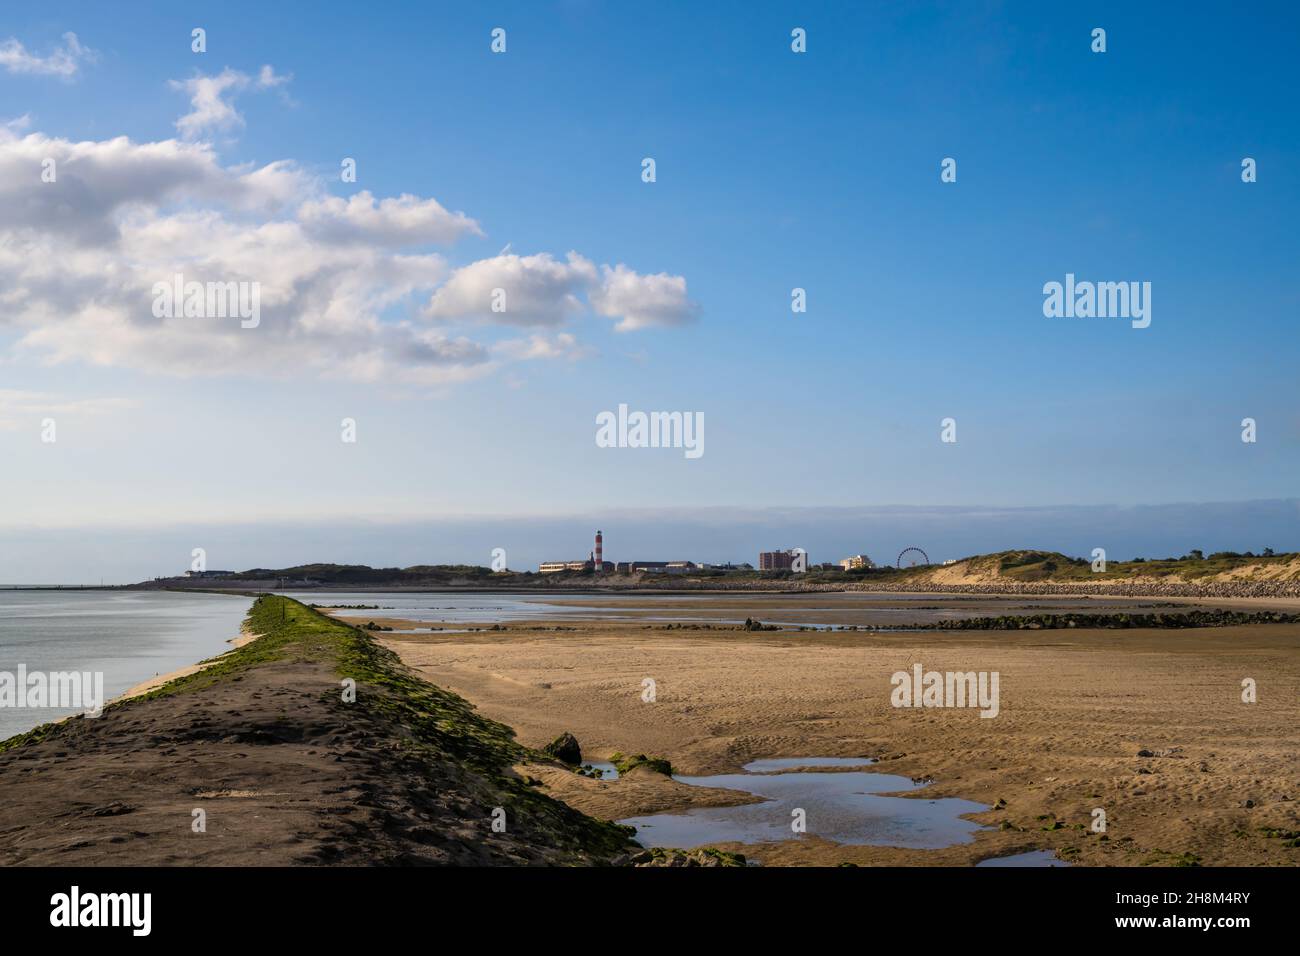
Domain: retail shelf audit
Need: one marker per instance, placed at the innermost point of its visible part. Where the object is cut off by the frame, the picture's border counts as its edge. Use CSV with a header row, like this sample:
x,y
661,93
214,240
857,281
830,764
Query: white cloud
x,y
540,290
642,301
267,77
340,280
64,61
406,220
210,99
562,345
97,182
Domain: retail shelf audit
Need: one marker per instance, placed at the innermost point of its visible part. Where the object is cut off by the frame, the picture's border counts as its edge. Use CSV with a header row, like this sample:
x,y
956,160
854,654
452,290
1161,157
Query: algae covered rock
x,y
565,749
624,764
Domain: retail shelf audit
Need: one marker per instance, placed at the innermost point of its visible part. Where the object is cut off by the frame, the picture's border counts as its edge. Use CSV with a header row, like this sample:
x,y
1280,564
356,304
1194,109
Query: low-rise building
x,y
783,560
857,561
553,567
656,567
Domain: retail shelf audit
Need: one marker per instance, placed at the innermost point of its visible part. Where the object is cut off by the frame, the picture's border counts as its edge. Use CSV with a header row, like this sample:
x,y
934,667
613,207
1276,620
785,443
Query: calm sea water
x,y
470,608
864,609
129,636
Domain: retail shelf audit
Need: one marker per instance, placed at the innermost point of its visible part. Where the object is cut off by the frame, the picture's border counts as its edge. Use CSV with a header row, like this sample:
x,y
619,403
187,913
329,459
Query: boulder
x,y
565,749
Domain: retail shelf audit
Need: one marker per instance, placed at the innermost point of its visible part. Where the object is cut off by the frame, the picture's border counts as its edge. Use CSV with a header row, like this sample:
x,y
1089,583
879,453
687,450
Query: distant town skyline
x,y
122,554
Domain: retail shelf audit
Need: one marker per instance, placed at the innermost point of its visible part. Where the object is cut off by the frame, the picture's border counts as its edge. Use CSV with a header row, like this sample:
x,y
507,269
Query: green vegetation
x,y
1289,838
360,574
35,735
704,856
624,763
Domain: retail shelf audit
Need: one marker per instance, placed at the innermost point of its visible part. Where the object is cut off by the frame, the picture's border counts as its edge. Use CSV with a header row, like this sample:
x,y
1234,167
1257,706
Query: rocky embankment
x,y
309,745
1033,622
1140,588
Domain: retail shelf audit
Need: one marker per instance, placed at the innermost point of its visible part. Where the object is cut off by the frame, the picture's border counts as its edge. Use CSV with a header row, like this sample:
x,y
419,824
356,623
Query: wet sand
x,y
1076,707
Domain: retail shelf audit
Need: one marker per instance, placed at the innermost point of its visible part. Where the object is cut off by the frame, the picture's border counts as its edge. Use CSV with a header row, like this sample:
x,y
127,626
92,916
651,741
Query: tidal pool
x,y
844,807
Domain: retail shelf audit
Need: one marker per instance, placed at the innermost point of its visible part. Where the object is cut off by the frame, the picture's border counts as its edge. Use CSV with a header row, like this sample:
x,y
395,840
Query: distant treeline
x,y
363,574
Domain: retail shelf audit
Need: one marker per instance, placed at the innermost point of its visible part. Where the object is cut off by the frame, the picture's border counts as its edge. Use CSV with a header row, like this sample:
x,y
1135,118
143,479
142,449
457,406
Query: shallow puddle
x,y
844,807
796,763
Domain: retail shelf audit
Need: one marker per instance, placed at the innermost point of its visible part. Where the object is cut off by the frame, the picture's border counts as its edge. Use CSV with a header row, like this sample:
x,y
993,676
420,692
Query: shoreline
x,y
243,639
121,638
153,683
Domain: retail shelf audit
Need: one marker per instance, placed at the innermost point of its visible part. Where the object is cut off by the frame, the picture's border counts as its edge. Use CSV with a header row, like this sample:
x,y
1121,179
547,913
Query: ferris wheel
x,y
911,555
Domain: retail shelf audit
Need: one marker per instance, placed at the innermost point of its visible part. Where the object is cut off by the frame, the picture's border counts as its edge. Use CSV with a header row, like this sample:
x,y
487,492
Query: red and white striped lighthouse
x,y
599,540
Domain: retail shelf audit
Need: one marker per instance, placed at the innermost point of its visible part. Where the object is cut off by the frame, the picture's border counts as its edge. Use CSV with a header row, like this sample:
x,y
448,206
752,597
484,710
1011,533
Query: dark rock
x,y
565,749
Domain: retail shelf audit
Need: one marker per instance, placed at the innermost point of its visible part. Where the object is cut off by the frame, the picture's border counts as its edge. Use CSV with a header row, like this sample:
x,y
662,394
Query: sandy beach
x,y
1077,708
1146,725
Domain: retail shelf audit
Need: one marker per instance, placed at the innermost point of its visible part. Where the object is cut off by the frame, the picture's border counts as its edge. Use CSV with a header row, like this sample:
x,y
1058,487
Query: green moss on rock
x,y
624,764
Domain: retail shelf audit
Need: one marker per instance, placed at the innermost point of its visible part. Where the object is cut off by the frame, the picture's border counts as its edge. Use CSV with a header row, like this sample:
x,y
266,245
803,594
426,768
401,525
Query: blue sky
x,y
774,170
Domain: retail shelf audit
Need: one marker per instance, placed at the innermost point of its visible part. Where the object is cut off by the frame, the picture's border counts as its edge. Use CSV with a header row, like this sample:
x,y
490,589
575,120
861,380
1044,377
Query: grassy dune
x,y
1030,566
